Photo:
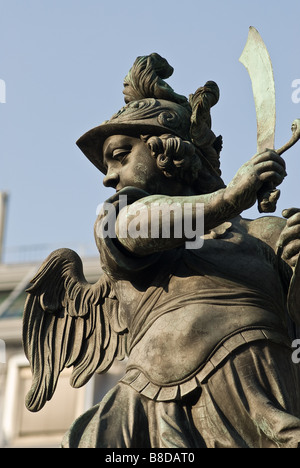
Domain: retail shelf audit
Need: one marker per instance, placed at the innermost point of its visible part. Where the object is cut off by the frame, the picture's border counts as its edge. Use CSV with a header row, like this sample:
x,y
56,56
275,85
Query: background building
x,y
18,426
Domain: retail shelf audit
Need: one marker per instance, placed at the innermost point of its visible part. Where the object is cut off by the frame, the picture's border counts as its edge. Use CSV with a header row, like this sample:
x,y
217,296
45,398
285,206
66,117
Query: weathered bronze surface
x,y
256,59
206,326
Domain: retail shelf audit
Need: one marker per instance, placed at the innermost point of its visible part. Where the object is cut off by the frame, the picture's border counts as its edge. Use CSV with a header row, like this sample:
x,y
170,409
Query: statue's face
x,y
129,163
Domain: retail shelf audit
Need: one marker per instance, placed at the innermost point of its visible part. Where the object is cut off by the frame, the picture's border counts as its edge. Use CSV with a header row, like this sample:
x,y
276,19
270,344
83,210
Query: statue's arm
x,y
289,240
220,206
288,249
266,228
282,234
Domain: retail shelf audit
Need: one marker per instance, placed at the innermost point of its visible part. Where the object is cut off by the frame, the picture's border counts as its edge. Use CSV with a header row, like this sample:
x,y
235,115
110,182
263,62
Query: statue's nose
x,y
111,179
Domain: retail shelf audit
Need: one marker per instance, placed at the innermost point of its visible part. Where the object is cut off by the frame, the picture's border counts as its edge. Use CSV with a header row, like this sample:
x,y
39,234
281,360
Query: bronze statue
x,y
207,328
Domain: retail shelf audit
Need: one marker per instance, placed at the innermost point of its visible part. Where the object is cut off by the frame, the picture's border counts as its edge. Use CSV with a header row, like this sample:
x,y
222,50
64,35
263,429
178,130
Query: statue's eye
x,y
120,153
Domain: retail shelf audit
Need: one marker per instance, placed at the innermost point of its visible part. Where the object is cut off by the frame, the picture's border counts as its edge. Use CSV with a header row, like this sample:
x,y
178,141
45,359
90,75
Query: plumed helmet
x,y
145,116
153,108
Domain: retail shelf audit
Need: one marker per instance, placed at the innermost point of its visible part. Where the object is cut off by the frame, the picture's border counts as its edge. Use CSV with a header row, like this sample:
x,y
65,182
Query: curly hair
x,y
183,161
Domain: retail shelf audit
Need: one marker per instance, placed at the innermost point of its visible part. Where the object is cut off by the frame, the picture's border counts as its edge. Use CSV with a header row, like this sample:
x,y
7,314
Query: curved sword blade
x,y
256,60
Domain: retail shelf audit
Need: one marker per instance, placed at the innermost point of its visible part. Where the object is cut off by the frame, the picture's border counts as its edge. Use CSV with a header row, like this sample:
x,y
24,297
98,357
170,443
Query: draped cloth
x,y
210,363
246,403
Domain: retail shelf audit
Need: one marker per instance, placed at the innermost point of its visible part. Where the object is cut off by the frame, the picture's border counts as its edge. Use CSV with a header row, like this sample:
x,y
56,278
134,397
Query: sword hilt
x,y
268,195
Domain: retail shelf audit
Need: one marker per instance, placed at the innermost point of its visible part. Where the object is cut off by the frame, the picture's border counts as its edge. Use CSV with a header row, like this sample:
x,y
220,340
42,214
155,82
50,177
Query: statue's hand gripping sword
x,y
256,59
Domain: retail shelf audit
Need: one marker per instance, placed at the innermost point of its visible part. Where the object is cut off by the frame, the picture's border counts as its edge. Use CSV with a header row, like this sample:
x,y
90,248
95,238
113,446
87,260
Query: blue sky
x,y
63,63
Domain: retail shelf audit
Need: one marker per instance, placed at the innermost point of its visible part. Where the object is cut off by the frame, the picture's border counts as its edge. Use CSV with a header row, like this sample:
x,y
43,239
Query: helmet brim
x,y
91,143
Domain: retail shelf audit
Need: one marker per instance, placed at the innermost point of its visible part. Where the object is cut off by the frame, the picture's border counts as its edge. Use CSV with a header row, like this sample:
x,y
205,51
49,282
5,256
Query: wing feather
x,y
66,323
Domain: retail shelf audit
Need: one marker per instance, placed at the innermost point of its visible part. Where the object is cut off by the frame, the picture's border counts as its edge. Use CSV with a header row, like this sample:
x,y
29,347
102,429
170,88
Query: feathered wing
x,y
68,322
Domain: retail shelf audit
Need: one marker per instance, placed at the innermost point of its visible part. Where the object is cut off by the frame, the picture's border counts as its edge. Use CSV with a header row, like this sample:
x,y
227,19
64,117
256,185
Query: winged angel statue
x,y
206,327
69,322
